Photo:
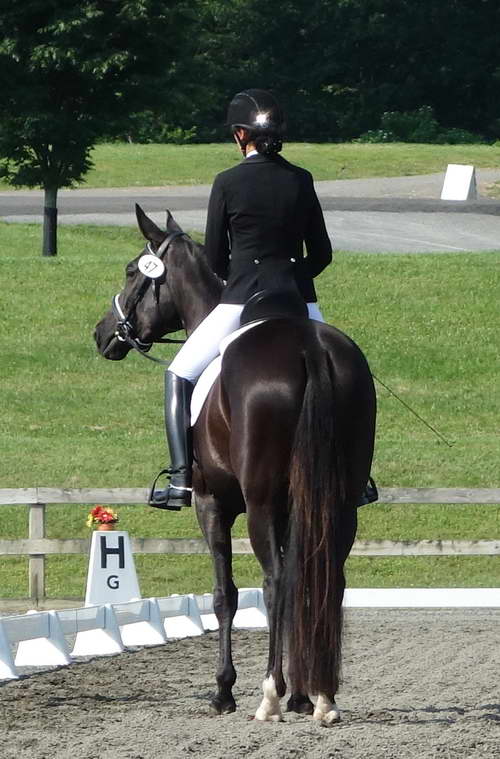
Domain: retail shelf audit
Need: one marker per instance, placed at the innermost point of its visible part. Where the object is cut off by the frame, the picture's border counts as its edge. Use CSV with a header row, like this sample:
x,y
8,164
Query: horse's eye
x,y
131,269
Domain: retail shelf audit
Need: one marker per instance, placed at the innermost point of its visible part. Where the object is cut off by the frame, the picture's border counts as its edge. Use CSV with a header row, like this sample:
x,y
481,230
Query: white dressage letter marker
x,y
111,576
459,183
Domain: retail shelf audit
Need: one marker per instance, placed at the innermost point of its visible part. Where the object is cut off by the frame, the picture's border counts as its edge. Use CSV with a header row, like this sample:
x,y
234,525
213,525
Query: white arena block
x,y
422,598
7,667
111,576
46,650
181,616
140,623
205,603
459,183
97,632
251,609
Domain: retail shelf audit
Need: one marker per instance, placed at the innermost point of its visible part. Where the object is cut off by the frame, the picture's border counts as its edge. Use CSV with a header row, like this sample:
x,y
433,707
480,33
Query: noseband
x,y
125,332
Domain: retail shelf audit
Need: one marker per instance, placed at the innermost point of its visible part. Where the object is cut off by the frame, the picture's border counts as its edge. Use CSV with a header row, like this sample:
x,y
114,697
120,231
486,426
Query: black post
x,y
50,223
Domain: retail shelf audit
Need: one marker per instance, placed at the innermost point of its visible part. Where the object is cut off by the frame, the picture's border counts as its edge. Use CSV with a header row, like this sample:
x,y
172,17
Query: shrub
x,y
455,136
149,127
416,126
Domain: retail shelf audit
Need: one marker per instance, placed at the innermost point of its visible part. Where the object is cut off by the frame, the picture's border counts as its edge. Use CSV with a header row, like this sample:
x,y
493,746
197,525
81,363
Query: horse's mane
x,y
211,282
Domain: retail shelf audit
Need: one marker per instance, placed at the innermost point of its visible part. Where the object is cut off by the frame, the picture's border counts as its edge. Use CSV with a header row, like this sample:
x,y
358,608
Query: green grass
x,y
125,165
428,324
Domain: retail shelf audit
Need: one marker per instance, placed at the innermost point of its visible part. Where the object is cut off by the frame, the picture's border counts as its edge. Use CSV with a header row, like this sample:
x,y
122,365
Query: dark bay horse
x,y
286,435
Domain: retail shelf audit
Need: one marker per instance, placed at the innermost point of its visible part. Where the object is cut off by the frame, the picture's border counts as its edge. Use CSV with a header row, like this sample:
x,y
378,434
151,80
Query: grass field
x,y
428,324
124,165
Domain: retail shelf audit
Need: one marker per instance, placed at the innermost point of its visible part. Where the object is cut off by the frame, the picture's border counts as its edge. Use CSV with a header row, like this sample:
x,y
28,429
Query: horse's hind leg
x,y
217,530
266,535
300,703
326,710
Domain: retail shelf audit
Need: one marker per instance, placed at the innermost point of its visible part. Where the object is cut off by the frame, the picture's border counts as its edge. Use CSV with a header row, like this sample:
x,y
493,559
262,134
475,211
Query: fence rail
x,y
28,496
37,546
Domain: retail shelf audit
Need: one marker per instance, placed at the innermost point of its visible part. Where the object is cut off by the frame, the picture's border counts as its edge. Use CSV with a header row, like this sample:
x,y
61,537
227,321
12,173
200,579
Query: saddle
x,y
274,304
264,305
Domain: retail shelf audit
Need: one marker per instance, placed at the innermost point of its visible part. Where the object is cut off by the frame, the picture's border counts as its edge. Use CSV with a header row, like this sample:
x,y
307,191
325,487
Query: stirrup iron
x,y
165,499
370,493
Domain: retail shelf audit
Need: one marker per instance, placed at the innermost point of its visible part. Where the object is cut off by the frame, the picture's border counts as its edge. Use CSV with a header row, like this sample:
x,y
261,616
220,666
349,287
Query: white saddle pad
x,y
210,374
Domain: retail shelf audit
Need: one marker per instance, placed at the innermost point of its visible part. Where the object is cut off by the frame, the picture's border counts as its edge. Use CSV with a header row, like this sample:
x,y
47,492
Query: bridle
x,y
125,331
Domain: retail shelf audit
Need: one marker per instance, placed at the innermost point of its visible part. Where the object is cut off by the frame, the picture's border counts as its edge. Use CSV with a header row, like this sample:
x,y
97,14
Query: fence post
x,y
37,561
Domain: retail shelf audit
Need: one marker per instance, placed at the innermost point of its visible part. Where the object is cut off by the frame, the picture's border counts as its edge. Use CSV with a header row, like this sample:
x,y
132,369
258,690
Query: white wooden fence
x,y
37,546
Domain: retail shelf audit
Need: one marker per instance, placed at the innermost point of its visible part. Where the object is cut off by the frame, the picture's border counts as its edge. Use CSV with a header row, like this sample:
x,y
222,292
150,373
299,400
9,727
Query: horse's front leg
x,y
217,530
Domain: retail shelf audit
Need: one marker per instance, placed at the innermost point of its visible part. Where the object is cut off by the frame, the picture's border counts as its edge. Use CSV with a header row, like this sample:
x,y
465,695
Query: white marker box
x,y
459,183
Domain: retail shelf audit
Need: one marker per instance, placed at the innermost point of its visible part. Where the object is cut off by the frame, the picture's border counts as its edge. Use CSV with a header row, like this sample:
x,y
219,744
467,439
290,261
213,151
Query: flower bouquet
x,y
102,518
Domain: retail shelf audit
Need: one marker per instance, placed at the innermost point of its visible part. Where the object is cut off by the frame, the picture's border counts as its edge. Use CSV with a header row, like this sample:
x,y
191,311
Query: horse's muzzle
x,y
107,341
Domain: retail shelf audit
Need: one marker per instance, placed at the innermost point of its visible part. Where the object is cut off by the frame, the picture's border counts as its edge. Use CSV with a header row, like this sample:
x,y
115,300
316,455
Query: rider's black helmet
x,y
256,110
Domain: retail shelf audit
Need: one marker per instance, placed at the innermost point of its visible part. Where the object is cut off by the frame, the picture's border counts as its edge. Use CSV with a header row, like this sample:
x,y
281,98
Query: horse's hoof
x,y
300,704
328,719
261,715
222,705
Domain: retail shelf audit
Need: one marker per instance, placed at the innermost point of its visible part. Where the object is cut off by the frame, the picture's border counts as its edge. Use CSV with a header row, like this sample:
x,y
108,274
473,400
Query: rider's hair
x,y
266,143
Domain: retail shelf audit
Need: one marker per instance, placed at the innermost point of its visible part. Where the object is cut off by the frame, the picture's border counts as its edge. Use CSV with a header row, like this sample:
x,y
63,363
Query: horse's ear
x,y
172,225
147,226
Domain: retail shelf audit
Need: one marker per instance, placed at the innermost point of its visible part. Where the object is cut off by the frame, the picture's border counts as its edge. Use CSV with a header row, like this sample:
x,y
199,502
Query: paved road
x,y
400,214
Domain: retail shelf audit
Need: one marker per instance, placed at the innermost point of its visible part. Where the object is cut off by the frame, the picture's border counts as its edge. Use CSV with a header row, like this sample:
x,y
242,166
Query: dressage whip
x,y
429,426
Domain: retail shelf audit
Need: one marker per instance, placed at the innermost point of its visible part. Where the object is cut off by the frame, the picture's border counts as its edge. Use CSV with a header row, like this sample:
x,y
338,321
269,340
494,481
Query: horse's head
x,y
155,298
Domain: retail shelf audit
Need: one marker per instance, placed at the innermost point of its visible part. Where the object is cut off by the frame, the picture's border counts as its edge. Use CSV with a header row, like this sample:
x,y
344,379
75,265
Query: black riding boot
x,y
370,493
178,392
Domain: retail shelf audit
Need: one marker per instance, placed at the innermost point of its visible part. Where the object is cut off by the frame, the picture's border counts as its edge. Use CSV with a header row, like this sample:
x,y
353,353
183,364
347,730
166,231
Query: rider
x,y
260,213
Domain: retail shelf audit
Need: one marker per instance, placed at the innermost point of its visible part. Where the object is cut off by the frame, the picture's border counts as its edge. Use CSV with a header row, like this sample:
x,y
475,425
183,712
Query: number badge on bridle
x,y
151,266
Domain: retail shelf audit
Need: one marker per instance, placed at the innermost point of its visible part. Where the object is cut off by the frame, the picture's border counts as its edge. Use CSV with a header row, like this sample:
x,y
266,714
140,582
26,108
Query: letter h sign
x,y
111,575
105,552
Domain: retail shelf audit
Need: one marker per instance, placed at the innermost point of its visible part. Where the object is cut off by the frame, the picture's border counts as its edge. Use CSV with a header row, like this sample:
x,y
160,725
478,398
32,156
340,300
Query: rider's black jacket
x,y
259,215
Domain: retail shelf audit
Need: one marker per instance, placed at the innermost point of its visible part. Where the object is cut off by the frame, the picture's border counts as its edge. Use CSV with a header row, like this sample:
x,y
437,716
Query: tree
x,y
68,71
338,65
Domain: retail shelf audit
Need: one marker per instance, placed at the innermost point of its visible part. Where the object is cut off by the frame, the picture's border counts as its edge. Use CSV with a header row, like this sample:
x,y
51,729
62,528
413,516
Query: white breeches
x,y
202,346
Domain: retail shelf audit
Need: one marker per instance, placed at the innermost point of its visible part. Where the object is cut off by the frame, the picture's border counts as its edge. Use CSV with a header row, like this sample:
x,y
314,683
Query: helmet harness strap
x,y
242,145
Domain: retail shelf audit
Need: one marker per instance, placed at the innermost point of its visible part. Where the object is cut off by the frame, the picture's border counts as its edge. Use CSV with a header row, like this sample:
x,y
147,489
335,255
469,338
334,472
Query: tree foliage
x,y
340,64
69,69
71,73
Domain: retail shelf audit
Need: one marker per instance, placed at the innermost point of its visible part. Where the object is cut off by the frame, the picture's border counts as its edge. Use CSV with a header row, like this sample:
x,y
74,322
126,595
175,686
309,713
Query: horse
x,y
286,436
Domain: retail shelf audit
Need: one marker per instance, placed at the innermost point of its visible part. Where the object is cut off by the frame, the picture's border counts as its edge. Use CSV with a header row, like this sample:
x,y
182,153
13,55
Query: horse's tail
x,y
313,571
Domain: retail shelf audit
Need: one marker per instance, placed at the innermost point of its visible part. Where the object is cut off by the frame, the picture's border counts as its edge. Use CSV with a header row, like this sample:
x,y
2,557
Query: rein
x,y
125,331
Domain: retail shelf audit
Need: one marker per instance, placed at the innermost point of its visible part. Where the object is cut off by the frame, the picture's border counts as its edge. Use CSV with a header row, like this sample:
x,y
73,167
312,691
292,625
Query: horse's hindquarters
x,y
290,426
